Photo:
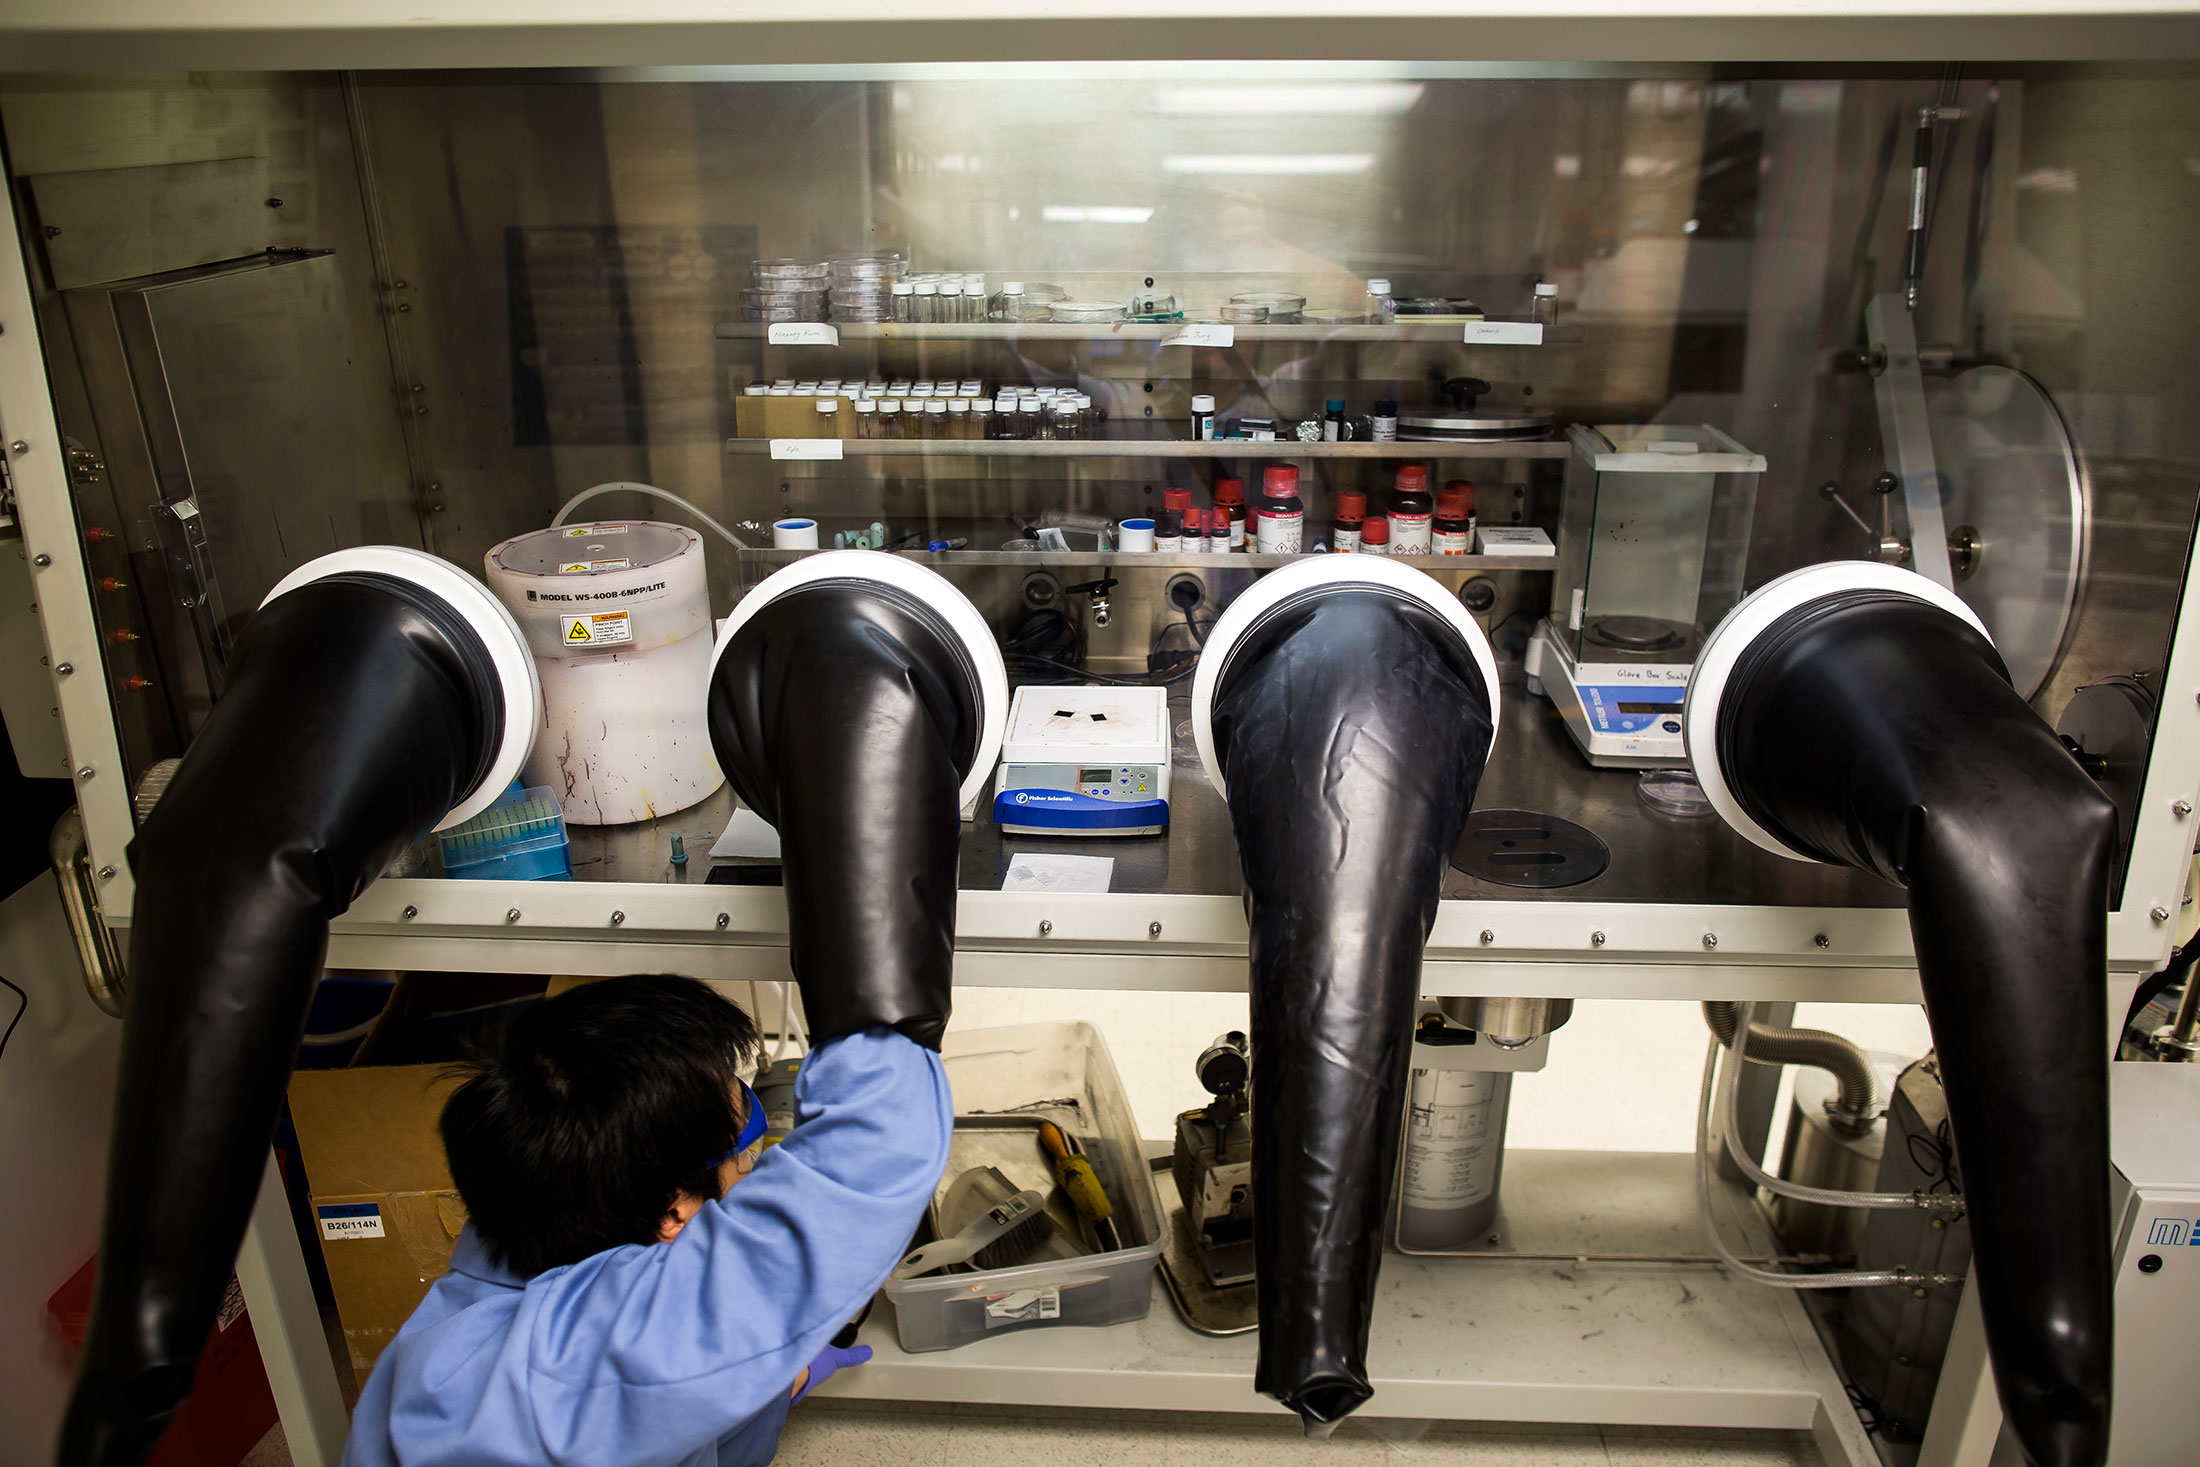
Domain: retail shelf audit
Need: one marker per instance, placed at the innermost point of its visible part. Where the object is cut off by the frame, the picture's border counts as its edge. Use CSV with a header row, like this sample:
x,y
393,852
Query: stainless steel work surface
x,y
1535,766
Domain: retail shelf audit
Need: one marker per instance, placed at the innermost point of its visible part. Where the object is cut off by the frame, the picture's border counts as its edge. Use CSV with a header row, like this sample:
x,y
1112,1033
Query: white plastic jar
x,y
617,614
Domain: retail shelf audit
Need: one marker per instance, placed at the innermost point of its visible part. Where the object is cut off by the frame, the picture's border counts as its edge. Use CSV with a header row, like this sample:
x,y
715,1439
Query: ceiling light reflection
x,y
1243,163
1096,213
1362,99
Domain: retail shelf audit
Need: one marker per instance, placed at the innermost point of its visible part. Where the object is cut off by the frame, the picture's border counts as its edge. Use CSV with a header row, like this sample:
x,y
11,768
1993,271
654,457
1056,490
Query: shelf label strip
x,y
814,450
1496,333
1203,333
802,333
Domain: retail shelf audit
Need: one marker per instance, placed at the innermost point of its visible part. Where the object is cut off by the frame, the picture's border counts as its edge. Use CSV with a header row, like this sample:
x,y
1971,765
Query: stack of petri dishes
x,y
863,284
786,290
1283,306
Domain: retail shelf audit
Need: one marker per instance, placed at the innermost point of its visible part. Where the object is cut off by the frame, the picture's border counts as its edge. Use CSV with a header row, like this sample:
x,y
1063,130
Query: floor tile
x,y
865,1434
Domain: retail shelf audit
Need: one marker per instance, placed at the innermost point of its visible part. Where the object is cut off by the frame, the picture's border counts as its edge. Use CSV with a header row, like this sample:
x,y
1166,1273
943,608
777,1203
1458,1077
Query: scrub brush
x,y
1079,1183
1004,1235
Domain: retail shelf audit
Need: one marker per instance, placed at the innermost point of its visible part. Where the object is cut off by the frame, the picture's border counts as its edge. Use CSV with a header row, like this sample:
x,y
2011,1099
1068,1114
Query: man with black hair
x,y
635,1285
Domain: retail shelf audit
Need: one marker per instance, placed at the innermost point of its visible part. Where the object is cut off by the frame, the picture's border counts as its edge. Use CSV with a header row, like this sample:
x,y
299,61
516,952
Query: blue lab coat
x,y
681,1352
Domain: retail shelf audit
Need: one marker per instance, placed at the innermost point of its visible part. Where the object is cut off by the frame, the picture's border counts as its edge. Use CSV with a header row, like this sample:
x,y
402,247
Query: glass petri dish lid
x,y
1086,311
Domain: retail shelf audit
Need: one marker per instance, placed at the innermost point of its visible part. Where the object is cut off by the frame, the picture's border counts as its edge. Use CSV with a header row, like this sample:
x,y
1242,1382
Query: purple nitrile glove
x,y
830,1359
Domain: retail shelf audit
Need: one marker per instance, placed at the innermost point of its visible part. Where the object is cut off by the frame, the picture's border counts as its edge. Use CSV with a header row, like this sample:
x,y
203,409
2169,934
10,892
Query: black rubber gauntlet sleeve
x,y
1876,731
846,715
359,711
1351,727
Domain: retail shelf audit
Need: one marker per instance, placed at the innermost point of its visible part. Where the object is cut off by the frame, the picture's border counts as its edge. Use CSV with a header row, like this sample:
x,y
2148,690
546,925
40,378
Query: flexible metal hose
x,y
1817,1048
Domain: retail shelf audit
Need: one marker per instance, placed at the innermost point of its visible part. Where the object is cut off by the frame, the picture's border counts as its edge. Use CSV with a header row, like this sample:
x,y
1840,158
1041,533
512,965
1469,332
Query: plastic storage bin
x,y
519,838
1065,1066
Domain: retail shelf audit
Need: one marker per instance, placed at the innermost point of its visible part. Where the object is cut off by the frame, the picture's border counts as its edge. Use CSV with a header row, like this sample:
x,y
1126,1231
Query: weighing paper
x,y
1048,873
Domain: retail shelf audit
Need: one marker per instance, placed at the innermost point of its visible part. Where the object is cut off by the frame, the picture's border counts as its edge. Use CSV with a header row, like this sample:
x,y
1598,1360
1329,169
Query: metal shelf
x,y
853,332
1246,560
1477,1338
1541,448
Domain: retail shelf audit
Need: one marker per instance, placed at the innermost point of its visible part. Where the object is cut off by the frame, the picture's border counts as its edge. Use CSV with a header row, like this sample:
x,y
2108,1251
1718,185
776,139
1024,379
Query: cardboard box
x,y
381,1196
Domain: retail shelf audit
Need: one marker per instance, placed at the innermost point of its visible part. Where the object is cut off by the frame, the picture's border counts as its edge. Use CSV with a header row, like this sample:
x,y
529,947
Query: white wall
x,y
1622,1076
56,1095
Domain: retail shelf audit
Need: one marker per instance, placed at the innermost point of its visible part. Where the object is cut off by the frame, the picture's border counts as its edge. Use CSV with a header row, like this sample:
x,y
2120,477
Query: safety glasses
x,y
752,1129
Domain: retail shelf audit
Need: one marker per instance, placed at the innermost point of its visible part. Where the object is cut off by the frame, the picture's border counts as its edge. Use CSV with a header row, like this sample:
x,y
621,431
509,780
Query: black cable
x,y
24,1000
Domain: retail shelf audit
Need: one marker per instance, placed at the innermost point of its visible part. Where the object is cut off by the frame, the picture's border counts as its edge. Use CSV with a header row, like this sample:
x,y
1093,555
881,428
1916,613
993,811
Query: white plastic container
x,y
617,614
997,1070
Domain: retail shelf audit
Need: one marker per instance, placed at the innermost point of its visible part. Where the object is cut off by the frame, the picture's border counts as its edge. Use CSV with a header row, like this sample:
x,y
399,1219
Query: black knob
x,y
2152,1263
1464,390
1886,484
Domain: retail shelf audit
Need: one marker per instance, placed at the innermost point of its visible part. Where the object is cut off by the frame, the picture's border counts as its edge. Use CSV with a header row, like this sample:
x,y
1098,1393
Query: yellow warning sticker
x,y
598,629
582,532
577,567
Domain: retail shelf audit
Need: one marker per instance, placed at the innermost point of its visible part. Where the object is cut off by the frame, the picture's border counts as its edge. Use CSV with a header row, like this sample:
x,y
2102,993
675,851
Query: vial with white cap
x,y
1382,306
1545,309
1203,417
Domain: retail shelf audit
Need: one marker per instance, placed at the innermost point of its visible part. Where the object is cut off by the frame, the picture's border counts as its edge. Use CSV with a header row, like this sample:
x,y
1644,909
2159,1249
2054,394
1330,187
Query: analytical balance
x,y
1085,761
1653,536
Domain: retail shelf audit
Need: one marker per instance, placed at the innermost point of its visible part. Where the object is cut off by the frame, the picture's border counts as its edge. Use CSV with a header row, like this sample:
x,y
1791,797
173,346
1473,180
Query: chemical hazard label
x,y
598,629
350,1220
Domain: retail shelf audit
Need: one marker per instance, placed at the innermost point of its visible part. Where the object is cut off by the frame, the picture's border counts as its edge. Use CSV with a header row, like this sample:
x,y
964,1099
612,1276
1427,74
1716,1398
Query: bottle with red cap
x,y
1282,516
1346,520
1452,531
1174,521
1411,512
1230,505
1375,536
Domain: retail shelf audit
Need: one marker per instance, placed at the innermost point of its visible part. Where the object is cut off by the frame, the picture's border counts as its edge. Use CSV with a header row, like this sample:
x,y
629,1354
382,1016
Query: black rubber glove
x,y
359,710
1877,731
846,714
1351,727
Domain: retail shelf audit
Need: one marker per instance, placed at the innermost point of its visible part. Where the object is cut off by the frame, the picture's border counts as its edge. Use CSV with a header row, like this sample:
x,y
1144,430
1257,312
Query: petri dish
x,y
1673,792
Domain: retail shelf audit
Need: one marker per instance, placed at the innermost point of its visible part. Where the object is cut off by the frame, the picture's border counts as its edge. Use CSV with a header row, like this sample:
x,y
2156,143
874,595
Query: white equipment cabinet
x,y
448,429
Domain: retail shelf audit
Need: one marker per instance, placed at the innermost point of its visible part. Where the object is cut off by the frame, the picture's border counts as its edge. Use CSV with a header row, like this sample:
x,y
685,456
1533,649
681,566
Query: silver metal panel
x,y
257,413
2157,1259
28,704
57,34
113,223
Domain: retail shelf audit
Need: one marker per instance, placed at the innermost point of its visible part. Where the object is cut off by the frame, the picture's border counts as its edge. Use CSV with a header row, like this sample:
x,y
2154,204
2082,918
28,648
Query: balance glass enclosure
x,y
282,313
1655,524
